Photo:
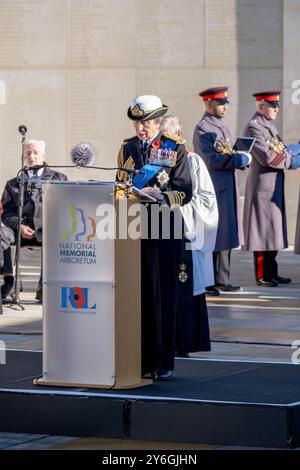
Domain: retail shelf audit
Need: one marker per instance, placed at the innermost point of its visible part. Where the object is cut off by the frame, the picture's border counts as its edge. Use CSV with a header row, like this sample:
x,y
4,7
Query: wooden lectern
x,y
92,287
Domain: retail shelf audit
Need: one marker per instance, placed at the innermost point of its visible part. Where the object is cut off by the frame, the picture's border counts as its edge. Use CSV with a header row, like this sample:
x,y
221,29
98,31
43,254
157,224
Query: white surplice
x,y
201,221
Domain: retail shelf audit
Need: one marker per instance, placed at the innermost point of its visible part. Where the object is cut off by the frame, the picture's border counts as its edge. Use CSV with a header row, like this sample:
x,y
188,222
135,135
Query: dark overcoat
x,y
221,167
10,199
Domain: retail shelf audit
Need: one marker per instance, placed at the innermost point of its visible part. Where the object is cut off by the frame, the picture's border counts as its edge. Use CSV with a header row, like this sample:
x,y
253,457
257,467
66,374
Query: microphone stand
x,y
16,294
130,172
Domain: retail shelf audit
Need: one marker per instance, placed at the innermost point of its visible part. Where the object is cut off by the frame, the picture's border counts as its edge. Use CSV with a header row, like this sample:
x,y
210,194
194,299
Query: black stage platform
x,y
213,402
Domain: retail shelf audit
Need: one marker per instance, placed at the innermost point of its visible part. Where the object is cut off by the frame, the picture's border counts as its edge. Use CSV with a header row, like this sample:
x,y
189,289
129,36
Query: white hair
x,y
40,143
170,124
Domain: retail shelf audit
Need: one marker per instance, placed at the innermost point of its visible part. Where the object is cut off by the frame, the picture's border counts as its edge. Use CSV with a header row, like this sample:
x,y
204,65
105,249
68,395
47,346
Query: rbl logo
x,y
76,297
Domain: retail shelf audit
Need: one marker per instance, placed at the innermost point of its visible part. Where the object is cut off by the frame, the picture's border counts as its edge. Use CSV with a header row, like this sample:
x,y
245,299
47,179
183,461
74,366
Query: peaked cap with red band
x,y
272,97
218,94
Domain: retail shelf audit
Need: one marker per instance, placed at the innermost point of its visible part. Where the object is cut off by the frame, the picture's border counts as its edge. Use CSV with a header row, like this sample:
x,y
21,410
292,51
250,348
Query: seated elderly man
x,y
30,224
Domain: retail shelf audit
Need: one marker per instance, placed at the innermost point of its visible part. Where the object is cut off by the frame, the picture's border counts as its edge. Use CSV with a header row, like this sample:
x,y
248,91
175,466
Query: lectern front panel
x,y
78,256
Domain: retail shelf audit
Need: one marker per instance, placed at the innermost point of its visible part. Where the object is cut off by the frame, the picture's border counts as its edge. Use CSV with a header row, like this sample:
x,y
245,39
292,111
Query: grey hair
x,y
170,124
158,120
40,143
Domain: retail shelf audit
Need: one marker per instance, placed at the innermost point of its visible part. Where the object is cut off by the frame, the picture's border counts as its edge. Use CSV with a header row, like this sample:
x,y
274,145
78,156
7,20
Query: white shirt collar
x,y
30,173
152,138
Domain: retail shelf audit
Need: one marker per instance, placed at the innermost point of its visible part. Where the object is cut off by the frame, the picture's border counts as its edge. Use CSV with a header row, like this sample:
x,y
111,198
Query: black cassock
x,y
159,261
192,326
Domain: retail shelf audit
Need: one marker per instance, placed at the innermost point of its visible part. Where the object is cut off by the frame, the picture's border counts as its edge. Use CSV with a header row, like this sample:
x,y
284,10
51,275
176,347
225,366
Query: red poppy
x,y
156,144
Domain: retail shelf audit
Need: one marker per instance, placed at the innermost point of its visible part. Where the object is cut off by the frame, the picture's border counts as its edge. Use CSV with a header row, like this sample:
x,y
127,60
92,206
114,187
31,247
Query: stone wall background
x,y
70,68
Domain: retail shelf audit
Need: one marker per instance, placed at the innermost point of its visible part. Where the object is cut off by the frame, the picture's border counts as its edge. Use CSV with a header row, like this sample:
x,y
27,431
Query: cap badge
x,y
136,111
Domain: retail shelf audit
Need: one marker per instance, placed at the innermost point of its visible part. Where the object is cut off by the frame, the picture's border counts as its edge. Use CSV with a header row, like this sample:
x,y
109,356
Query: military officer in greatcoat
x,y
166,178
213,142
264,213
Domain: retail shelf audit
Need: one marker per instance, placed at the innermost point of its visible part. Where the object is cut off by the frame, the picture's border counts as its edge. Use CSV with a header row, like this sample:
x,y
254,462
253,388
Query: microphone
x,y
22,129
83,154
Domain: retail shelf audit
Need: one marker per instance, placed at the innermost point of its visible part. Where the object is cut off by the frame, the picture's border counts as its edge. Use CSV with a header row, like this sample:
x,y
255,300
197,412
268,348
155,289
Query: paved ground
x,y
258,324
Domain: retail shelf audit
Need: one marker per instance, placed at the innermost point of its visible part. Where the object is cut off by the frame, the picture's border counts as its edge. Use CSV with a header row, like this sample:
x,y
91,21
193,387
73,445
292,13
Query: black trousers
x,y
265,265
159,297
221,260
8,264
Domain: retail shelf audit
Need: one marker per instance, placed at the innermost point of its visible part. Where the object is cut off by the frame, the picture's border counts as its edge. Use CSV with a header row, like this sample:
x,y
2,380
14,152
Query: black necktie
x,y
144,150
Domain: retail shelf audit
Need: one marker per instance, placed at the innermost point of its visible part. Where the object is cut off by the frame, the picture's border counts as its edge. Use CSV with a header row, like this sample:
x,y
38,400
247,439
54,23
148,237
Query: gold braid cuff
x,y
128,164
174,198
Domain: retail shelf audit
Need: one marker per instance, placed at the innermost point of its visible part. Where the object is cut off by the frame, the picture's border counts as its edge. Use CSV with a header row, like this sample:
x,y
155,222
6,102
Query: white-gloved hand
x,y
246,158
295,162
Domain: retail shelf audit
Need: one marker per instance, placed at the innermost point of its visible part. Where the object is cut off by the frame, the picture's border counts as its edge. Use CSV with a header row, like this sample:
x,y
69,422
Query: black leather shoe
x,y
39,294
272,283
182,354
229,288
212,290
164,375
282,280
148,374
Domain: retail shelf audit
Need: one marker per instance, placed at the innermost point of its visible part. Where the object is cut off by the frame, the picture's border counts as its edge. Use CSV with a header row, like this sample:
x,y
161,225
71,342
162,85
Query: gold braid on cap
x,y
136,111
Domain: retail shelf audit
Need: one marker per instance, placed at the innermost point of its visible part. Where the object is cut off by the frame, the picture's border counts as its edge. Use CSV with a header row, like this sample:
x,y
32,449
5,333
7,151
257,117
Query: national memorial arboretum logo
x,y
77,246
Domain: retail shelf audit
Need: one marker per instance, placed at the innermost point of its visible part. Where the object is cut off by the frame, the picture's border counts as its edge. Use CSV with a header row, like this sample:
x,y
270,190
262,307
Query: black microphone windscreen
x,y
83,154
22,129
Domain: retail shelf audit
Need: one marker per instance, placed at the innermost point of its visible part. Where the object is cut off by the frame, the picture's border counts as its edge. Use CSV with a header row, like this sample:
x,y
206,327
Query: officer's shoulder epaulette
x,y
178,140
128,139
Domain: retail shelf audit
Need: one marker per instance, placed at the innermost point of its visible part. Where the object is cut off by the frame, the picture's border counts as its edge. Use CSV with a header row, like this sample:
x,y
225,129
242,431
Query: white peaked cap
x,y
146,107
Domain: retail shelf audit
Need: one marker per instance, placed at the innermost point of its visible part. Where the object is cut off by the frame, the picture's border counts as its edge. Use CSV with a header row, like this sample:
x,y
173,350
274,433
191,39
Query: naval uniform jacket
x,y
264,213
159,262
179,188
10,198
221,167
